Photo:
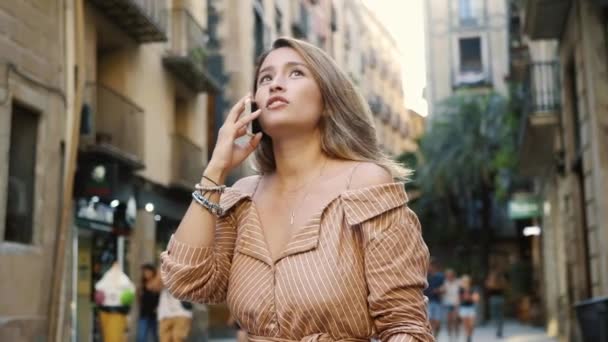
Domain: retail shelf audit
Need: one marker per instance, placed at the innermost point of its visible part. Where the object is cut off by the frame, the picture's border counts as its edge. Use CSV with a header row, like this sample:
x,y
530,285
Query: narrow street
x,y
513,332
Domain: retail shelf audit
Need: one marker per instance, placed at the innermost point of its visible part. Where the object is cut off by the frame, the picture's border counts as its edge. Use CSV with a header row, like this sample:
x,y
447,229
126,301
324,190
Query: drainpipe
x,y
55,313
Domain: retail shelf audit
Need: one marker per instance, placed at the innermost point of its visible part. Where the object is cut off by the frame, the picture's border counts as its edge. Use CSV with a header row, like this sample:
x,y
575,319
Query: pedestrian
x,y
496,284
320,245
148,294
451,301
174,318
433,292
468,300
114,294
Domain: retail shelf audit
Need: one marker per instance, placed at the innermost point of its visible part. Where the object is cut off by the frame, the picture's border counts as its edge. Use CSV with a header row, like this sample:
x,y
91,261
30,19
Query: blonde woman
x,y
320,246
469,297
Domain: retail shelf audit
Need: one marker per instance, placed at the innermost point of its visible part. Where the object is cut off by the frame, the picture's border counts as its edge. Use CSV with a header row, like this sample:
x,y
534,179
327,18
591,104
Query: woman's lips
x,y
277,104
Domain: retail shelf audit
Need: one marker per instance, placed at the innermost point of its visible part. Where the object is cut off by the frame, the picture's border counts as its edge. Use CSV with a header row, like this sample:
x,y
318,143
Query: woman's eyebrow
x,y
271,67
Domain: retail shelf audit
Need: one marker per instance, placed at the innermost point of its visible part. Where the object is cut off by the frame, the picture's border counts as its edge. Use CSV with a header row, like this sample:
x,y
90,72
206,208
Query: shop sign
x,y
92,214
524,208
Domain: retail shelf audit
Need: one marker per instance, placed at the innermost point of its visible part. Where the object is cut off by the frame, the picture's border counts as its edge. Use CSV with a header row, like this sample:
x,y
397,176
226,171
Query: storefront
x,y
104,215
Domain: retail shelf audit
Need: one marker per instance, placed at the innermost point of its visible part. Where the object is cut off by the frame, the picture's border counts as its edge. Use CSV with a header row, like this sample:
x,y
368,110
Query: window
x,y
22,162
470,66
464,9
470,12
470,55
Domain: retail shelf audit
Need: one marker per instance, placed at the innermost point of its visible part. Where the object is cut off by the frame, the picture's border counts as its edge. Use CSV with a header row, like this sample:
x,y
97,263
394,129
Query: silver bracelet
x,y
213,208
204,188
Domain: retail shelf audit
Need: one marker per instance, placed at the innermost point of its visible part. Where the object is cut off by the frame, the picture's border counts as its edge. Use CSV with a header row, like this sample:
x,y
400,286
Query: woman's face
x,y
148,274
288,94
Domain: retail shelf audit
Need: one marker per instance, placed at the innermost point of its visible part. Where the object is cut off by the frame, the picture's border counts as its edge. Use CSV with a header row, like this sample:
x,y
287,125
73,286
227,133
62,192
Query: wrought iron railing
x,y
188,38
541,96
144,20
542,87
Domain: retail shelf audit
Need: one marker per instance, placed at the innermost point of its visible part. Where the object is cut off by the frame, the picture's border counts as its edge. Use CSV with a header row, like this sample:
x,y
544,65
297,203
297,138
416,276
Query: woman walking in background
x,y
451,301
468,299
496,284
148,293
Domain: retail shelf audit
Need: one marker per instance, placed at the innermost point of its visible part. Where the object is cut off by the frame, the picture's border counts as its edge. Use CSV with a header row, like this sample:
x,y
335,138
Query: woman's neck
x,y
297,161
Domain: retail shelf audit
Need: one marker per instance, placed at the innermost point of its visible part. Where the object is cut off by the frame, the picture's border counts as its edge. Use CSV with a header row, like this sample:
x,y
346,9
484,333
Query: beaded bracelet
x,y
203,188
213,208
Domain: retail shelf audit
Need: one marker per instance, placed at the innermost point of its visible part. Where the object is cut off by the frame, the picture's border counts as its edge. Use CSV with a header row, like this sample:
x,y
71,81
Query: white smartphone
x,y
248,112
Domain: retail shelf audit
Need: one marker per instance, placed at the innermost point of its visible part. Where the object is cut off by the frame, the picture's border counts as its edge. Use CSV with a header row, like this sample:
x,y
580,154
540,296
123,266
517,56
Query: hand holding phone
x,y
229,150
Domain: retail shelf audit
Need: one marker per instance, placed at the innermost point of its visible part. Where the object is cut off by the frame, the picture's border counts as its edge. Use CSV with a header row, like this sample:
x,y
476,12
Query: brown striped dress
x,y
355,271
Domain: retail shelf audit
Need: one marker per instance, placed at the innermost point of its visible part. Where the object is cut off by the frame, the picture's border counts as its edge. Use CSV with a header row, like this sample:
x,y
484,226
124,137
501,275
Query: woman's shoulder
x,y
371,192
368,174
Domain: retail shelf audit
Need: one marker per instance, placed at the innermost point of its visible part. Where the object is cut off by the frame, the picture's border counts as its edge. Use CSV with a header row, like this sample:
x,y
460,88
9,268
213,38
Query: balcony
x,y
187,56
112,125
470,21
545,19
540,117
143,20
187,165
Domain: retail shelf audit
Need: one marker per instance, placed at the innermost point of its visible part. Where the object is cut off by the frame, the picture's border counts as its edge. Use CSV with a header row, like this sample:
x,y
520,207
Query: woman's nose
x,y
277,84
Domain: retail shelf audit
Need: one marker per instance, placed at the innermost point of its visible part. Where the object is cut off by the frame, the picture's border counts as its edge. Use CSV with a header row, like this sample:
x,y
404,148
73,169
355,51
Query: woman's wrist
x,y
214,174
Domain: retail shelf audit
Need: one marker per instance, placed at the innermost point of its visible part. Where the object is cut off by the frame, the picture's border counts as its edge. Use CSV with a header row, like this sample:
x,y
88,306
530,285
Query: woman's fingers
x,y
255,141
237,109
246,119
240,132
245,150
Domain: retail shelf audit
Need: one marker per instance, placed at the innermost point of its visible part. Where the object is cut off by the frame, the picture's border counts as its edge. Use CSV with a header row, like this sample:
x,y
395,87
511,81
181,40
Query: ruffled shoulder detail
x,y
234,195
366,203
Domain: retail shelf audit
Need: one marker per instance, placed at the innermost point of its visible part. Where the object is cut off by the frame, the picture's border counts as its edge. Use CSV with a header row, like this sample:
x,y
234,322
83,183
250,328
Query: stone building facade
x,y
569,148
33,107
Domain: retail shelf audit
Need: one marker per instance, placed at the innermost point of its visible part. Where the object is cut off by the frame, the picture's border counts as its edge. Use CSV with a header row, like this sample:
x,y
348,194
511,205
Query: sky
x,y
404,19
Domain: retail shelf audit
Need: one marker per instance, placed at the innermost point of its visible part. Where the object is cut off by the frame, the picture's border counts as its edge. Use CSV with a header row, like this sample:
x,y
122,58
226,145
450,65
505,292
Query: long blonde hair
x,y
347,129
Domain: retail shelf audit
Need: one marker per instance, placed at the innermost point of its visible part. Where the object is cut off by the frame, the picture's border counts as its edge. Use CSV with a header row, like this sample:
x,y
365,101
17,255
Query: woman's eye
x,y
297,73
264,78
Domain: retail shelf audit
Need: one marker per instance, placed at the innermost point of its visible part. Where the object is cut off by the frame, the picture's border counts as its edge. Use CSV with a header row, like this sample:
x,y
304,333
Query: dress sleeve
x,y
200,274
396,261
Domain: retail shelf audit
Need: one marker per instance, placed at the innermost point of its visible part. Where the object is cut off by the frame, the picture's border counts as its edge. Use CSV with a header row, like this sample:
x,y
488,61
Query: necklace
x,y
293,212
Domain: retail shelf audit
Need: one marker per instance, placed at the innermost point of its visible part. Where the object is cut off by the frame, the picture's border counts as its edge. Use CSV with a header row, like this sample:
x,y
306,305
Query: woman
x,y
320,245
148,294
451,300
468,298
496,284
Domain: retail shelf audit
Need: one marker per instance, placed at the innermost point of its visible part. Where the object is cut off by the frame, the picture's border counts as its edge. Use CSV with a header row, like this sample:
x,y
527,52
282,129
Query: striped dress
x,y
354,271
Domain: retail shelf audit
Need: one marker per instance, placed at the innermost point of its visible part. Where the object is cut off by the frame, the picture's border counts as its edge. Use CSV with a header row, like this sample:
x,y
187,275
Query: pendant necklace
x,y
293,211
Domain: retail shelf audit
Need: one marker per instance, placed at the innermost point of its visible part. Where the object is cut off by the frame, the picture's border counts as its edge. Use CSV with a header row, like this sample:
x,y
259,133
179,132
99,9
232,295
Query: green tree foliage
x,y
463,171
